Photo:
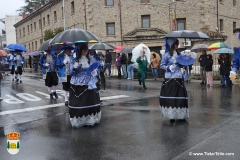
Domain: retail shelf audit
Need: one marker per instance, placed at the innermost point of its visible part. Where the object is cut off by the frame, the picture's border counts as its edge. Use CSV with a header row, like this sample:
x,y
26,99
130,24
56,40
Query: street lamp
x,y
64,20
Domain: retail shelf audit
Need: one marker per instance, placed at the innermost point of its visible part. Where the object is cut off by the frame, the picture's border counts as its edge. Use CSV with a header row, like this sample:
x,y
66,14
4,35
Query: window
x,y
109,2
35,45
28,29
145,21
31,28
145,1
35,26
234,3
72,7
40,23
23,31
20,34
32,47
234,25
181,24
221,25
29,46
48,20
43,21
110,28
55,16
41,41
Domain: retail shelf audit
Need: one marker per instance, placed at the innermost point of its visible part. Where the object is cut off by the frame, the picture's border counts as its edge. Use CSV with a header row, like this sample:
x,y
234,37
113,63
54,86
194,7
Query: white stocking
x,y
20,77
50,90
54,88
66,95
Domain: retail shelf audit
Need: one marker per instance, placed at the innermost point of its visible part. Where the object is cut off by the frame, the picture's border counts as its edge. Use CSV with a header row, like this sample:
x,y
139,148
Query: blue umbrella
x,y
185,60
17,47
223,51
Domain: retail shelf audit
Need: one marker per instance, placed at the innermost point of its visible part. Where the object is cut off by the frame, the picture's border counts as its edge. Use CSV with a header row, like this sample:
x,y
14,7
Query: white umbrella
x,y
137,51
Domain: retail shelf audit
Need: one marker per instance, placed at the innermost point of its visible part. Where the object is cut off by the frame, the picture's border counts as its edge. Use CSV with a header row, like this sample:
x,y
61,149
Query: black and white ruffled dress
x,y
173,98
84,99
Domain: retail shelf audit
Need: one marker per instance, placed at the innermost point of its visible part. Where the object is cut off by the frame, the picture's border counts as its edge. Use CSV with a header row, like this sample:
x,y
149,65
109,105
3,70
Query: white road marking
x,y
51,106
114,97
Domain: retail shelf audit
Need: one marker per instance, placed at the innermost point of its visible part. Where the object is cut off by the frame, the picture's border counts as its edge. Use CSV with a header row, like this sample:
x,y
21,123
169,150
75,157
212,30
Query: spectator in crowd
x,y
130,67
118,65
208,69
124,64
108,63
202,60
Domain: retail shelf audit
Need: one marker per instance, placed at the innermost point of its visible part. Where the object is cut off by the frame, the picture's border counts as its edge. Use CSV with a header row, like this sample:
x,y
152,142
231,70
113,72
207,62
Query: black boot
x,y
140,83
51,95
144,87
55,94
66,103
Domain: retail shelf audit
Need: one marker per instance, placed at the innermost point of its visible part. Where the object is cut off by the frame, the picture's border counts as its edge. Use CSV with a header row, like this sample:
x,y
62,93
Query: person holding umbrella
x,y
173,95
108,63
225,67
48,65
142,68
19,64
84,99
12,61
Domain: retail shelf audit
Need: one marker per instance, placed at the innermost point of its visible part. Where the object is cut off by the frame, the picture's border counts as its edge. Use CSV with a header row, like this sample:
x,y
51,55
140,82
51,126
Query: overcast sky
x,y
9,7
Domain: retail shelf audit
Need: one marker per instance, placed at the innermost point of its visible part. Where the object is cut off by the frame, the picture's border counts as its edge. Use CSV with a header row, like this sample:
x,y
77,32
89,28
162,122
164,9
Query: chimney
x,y
23,15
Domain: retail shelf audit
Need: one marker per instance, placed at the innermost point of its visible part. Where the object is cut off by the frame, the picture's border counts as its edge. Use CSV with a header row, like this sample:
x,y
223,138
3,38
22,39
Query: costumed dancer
x,y
84,99
19,64
173,95
47,62
12,61
236,62
63,66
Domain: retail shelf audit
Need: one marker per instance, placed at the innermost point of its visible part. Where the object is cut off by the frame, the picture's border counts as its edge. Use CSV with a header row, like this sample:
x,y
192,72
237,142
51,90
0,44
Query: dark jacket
x,y
225,66
129,59
208,64
108,58
124,59
203,61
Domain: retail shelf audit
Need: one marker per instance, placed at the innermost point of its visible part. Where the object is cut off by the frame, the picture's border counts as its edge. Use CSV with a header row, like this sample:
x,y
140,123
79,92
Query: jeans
x,y
223,80
227,78
142,76
124,70
188,72
155,72
130,71
203,74
35,66
107,66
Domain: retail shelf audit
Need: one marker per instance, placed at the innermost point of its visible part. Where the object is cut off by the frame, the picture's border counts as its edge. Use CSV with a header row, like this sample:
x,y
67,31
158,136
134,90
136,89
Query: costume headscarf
x,y
169,42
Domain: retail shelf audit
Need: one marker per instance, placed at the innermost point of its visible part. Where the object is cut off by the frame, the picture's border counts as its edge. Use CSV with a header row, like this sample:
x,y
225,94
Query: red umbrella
x,y
3,53
118,48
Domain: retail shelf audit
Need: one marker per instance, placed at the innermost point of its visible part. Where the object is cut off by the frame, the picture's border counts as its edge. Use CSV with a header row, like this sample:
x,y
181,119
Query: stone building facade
x,y
130,22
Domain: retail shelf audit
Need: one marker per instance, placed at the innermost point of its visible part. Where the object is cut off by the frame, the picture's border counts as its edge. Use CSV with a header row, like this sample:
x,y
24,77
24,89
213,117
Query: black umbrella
x,y
126,50
74,35
101,46
199,48
44,46
187,34
236,30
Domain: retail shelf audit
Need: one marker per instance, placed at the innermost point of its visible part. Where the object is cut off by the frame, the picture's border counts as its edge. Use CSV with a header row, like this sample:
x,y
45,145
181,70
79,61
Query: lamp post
x,y
64,20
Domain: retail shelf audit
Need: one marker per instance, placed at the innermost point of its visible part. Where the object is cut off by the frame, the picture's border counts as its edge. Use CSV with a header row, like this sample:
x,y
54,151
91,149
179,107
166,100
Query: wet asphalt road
x,y
131,126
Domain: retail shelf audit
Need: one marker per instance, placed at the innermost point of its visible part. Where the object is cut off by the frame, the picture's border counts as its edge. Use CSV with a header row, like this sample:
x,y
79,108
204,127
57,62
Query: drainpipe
x,y
120,12
217,17
85,10
41,27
